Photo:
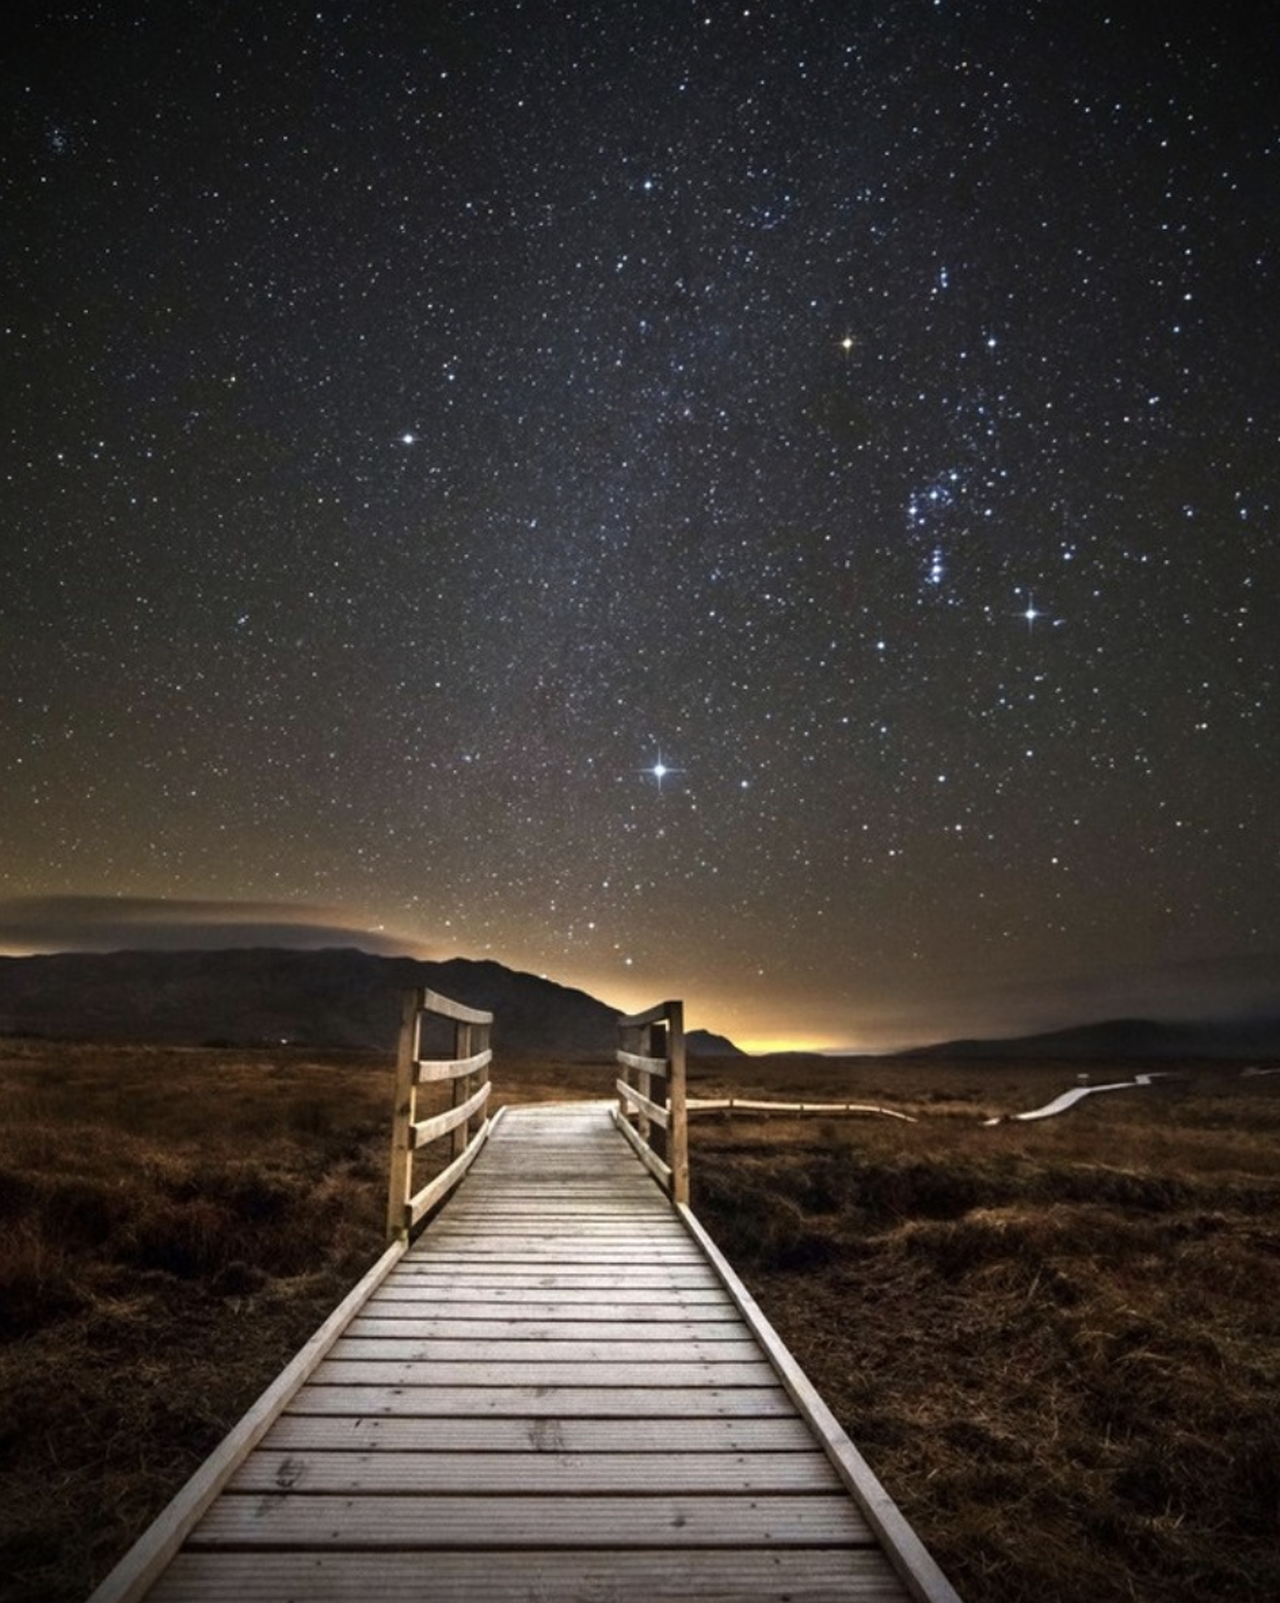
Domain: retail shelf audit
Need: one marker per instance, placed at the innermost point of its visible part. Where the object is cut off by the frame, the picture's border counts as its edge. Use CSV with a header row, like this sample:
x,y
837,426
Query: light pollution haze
x,y
772,504
757,1018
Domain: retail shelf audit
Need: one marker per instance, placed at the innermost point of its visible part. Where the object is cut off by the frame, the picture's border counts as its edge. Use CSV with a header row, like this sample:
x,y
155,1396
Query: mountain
x,y
1128,1038
332,997
704,1044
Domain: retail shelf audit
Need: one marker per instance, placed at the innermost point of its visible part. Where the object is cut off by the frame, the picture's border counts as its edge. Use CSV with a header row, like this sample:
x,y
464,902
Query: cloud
x,y
31,924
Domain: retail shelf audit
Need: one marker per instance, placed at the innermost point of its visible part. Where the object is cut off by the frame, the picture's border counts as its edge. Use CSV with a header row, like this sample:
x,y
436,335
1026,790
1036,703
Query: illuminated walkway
x,y
560,1391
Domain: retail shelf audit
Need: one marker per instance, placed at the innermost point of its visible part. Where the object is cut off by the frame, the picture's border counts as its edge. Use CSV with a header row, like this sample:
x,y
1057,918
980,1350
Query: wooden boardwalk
x,y
556,1393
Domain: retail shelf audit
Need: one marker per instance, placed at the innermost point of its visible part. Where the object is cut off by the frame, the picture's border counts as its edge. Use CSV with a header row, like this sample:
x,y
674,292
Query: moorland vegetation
x,y
1057,1343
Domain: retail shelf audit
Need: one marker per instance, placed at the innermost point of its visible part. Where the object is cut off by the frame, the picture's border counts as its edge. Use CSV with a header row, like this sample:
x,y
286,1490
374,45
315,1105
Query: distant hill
x,y
704,1044
1127,1038
333,997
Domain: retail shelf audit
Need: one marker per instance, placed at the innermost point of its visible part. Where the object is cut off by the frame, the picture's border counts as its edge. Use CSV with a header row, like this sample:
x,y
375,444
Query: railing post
x,y
485,1077
643,1081
629,1041
677,1105
464,1125
654,1041
402,1118
461,1088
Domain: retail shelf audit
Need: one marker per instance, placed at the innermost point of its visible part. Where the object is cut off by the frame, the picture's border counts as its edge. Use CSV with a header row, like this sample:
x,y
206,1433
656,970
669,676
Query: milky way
x,y
770,503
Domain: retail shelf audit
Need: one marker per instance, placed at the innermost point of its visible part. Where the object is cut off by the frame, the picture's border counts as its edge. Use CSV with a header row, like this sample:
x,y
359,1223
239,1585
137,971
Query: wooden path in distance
x,y
552,1395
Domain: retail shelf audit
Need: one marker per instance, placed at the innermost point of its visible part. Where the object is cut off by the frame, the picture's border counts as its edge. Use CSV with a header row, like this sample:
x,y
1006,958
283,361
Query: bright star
x,y
658,770
408,439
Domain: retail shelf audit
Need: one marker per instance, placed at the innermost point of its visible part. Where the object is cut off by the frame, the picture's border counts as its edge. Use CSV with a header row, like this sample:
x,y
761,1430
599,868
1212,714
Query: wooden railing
x,y
464,1124
651,1049
740,1104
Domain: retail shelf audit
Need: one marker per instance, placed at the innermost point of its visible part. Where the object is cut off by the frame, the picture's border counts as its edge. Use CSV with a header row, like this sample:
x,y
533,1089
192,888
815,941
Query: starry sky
x,y
771,503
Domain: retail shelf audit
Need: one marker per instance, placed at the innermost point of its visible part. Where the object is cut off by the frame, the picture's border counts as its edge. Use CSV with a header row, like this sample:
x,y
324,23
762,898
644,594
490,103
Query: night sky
x,y
775,504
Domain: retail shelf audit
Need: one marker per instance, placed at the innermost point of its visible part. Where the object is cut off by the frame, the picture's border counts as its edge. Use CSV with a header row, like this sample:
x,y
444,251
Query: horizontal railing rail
x,y
652,1095
464,1124
741,1104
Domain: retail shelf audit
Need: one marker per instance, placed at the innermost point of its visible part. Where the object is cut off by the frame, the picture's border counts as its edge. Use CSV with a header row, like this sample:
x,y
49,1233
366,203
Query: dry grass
x,y
1057,1343
177,1223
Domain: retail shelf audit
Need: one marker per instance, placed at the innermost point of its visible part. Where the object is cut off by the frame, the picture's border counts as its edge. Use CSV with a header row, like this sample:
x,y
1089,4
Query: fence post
x,y
678,1105
461,1087
643,1081
402,1118
483,1078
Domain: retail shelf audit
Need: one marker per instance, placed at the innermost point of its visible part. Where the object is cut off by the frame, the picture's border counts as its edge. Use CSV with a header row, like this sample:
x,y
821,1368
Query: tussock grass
x,y
177,1223
1058,1343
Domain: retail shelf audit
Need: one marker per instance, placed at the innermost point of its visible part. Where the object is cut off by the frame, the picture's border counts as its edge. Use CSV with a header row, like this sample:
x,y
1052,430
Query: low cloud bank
x,y
38,924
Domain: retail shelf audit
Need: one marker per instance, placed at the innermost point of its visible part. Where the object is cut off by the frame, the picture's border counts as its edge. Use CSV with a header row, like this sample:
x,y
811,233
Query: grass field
x,y
1056,1342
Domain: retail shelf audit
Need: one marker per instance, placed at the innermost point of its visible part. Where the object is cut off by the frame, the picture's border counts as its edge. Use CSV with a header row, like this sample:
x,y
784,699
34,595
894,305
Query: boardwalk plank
x,y
561,1473
581,1214
583,1210
513,1239
564,1248
601,1208
482,1306
532,1372
371,1433
557,1325
469,1273
378,1395
554,1395
814,1575
732,1349
425,1523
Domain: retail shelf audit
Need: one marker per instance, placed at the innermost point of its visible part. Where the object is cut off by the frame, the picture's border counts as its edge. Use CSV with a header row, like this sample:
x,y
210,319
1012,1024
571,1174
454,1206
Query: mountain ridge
x,y
1125,1038
332,996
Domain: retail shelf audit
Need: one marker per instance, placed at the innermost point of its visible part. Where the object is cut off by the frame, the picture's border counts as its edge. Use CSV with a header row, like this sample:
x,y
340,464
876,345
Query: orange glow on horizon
x,y
762,1045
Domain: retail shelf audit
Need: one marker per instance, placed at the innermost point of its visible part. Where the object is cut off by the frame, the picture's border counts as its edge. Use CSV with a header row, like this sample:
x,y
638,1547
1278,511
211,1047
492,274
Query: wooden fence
x,y
651,1049
464,1124
739,1104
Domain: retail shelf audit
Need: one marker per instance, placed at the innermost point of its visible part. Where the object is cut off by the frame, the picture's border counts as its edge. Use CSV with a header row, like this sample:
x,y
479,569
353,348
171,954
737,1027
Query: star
x,y
654,480
659,770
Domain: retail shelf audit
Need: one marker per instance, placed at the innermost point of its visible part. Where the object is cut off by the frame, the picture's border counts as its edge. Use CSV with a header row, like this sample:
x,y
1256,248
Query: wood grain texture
x,y
553,1395
523,1471
424,1131
426,1071
553,1326
640,1064
433,1002
812,1575
423,1524
423,1200
617,1354
397,1433
498,1373
660,1401
569,1302
655,1112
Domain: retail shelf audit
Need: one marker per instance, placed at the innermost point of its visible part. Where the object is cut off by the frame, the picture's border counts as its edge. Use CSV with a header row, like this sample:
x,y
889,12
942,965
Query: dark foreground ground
x,y
1057,1343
